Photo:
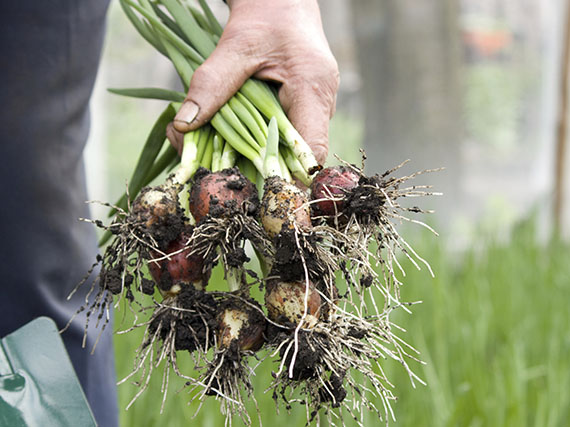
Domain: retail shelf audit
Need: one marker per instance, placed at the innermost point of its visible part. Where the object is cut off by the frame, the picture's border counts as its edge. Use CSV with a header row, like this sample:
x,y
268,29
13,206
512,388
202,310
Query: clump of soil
x,y
112,279
193,326
333,390
293,254
366,200
307,358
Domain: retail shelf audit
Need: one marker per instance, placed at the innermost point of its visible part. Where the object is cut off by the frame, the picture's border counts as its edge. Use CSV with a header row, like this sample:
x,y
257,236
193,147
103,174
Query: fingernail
x,y
187,113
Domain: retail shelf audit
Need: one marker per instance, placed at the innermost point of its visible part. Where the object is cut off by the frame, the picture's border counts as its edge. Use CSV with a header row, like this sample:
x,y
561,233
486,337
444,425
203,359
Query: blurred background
x,y
477,87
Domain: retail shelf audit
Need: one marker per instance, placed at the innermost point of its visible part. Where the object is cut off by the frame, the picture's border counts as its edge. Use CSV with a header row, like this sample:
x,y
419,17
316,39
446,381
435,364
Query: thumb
x,y
310,114
212,85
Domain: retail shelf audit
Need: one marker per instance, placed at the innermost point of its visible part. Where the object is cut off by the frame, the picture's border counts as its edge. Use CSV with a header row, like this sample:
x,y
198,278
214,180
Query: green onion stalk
x,y
187,36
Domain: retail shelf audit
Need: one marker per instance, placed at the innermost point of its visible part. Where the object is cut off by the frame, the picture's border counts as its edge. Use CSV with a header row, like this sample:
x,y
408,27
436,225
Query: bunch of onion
x,y
223,204
186,37
321,344
302,243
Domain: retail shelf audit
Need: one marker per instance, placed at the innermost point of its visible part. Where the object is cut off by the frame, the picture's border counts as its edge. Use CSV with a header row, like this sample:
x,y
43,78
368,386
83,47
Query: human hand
x,y
277,40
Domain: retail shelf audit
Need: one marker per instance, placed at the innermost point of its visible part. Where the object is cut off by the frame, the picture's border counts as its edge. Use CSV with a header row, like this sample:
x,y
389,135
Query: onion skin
x,y
329,187
283,205
285,302
156,203
221,193
180,269
242,325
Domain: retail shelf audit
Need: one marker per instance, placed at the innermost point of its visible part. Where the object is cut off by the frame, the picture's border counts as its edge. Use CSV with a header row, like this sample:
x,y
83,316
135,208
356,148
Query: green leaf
x,y
147,33
150,93
149,153
214,24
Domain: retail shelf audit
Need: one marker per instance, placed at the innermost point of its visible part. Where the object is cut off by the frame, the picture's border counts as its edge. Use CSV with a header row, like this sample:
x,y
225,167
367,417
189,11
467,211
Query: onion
x,y
180,268
329,189
155,203
222,194
283,205
242,324
285,303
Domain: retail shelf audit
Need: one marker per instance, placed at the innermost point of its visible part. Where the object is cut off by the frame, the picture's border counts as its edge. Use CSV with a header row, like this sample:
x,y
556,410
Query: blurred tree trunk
x,y
409,60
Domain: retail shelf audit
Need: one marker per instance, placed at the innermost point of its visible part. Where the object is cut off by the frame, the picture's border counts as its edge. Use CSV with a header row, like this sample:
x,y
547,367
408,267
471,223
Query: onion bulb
x,y
283,206
285,303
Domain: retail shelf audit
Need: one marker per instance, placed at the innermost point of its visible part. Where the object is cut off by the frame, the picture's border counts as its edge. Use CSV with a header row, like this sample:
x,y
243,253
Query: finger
x,y
176,138
213,84
309,109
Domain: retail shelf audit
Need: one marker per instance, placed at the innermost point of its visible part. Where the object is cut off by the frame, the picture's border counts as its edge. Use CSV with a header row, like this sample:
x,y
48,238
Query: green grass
x,y
492,328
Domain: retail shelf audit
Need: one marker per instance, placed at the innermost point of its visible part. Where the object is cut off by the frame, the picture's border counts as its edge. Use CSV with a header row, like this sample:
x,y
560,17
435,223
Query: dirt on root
x,y
168,228
308,355
366,200
237,258
291,258
333,391
194,326
112,279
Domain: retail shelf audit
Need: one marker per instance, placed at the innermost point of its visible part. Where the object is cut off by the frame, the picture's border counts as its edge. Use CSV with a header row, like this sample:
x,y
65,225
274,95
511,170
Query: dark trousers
x,y
50,51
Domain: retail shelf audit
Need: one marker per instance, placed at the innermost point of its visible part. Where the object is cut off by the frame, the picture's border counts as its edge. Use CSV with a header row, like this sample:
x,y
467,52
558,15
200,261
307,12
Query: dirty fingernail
x,y
186,115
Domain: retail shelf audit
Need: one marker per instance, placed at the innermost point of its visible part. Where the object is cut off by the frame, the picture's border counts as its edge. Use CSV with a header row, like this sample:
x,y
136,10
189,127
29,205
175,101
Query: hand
x,y
277,40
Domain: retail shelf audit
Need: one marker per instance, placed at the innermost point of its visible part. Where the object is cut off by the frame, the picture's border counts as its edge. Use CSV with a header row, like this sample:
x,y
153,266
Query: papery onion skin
x,y
285,302
180,268
221,194
329,188
284,205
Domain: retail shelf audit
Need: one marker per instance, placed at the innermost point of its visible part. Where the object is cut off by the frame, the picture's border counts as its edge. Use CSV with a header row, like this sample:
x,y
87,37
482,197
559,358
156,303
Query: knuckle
x,y
204,72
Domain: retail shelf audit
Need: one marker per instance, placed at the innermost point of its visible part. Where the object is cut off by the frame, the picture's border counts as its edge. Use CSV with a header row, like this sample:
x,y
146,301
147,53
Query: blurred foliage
x,y
494,100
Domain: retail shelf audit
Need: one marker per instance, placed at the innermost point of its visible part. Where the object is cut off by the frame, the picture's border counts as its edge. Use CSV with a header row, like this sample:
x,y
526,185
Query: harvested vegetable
x,y
239,172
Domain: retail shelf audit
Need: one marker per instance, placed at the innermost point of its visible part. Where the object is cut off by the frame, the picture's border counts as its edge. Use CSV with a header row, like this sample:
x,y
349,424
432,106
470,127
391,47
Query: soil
x,y
147,286
236,258
168,229
334,387
194,328
288,263
308,355
365,200
111,279
366,281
